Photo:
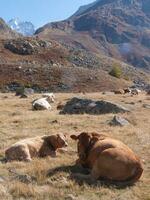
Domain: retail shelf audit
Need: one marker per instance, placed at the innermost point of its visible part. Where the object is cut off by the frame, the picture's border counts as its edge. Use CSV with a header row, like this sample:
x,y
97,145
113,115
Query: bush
x,y
19,91
116,71
126,78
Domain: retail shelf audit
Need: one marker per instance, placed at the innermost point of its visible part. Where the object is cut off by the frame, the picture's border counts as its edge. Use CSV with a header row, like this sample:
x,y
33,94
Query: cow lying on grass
x,y
51,97
41,104
26,149
107,158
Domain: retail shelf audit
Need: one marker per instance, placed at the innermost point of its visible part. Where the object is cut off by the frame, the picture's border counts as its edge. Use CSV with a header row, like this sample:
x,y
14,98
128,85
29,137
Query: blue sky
x,y
39,12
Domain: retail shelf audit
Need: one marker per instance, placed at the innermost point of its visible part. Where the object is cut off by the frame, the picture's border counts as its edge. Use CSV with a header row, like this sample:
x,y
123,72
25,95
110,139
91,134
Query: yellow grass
x,y
18,121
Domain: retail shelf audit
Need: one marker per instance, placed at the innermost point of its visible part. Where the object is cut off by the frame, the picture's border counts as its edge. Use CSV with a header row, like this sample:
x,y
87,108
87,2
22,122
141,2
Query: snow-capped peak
x,y
23,27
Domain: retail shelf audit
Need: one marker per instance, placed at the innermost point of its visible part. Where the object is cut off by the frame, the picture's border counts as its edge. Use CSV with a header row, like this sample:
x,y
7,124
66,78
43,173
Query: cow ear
x,y
95,134
74,137
46,138
94,139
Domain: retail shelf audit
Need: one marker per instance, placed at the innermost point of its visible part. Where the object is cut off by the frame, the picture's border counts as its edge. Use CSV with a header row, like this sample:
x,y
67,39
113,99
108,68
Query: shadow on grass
x,y
71,169
82,176
3,159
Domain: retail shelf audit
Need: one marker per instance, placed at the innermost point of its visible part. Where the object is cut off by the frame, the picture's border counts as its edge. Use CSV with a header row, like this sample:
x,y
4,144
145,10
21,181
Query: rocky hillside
x,y
78,54
47,65
120,29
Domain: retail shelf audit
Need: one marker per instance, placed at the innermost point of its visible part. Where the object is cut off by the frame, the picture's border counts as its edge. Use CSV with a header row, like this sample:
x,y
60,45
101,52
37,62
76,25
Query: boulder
x,y
118,121
24,92
28,91
26,46
81,106
146,106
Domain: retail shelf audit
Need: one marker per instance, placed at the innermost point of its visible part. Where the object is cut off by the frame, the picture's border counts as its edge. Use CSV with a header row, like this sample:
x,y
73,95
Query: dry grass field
x,y
52,176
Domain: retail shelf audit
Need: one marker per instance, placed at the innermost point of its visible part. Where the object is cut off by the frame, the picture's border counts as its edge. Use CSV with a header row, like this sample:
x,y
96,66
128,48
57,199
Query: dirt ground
x,y
51,177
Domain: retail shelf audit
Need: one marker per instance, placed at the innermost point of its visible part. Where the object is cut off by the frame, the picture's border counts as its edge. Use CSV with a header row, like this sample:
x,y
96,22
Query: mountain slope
x,y
77,54
120,29
51,67
48,65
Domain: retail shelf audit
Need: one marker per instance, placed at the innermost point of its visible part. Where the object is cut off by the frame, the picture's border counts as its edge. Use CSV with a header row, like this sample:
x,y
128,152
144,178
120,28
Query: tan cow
x,y
25,150
107,158
119,91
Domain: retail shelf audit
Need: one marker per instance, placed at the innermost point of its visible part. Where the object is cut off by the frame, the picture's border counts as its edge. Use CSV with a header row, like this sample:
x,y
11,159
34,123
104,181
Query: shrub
x,y
116,71
19,90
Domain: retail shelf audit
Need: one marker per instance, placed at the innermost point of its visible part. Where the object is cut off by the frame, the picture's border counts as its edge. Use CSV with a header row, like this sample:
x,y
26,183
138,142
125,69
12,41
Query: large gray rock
x,y
81,106
118,121
24,92
24,46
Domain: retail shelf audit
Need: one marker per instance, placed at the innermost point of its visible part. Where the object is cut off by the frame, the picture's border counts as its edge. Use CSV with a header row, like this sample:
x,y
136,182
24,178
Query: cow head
x,y
57,141
85,143
50,99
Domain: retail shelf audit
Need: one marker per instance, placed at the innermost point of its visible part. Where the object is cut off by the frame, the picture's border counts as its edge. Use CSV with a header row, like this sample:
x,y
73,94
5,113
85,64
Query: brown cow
x,y
127,90
148,92
26,149
119,91
107,158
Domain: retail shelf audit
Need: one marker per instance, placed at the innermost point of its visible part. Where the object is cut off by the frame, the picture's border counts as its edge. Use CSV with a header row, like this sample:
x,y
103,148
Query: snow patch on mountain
x,y
23,27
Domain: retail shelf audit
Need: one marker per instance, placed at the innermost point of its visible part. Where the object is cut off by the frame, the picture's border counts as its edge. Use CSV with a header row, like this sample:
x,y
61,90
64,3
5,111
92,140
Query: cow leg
x,y
19,153
95,173
115,164
25,155
46,151
52,153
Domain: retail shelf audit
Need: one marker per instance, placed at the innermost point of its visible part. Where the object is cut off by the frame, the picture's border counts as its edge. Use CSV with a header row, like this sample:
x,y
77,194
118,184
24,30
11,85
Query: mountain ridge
x,y
114,25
